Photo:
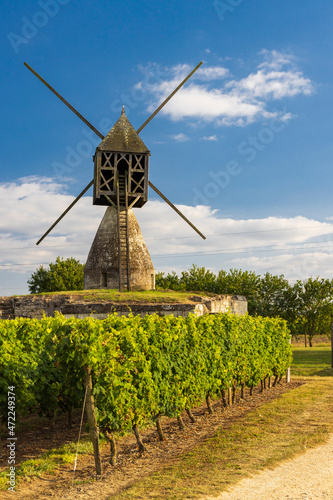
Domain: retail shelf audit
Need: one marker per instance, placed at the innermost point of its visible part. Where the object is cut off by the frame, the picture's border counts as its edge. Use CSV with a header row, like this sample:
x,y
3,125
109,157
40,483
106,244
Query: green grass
x,y
48,461
312,361
149,296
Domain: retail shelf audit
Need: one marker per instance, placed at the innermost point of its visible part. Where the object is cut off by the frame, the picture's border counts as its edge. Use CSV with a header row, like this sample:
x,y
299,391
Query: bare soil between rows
x,y
131,466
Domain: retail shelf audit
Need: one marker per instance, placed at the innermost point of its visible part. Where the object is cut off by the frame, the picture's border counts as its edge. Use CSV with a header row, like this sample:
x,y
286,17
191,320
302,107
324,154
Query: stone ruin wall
x,y
35,306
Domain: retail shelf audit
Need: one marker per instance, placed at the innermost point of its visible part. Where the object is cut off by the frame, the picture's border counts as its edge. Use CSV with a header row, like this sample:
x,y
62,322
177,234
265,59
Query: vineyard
x,y
137,369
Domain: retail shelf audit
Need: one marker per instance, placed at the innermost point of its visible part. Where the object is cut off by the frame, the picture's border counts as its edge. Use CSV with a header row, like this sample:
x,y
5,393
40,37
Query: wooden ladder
x,y
122,220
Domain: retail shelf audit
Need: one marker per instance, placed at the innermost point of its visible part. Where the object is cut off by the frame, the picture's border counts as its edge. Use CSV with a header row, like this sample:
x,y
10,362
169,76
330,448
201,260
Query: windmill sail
x,y
102,137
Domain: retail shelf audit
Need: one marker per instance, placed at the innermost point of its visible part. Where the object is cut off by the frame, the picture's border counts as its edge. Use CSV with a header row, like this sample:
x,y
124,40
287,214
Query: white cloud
x,y
294,267
276,60
181,137
209,138
198,102
211,73
209,97
274,84
286,117
30,204
29,207
297,246
180,71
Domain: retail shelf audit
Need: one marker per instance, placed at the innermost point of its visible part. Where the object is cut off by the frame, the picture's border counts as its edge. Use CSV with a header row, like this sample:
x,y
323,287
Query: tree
x,y
198,279
313,307
307,306
61,276
240,282
273,298
169,282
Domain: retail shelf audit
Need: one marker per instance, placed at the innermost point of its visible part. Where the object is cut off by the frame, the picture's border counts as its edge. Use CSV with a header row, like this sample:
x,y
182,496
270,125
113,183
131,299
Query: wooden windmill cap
x,y
123,138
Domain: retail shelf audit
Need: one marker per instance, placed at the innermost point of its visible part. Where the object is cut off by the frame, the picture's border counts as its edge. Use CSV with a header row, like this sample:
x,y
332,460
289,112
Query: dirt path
x,y
307,477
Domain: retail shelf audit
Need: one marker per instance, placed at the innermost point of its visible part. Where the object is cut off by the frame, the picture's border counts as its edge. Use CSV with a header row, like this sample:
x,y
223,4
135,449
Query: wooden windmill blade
x,y
62,99
176,210
102,137
169,97
65,212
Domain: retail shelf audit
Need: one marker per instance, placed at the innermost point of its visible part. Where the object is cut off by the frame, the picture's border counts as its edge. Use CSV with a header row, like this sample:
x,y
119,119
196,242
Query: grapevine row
x,y
142,368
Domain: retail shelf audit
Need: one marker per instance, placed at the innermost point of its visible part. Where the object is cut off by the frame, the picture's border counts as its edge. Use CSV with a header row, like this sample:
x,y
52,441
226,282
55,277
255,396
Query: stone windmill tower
x,y
119,257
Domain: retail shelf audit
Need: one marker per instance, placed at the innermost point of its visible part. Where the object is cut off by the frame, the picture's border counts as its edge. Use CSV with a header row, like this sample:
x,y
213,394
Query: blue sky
x,y
244,149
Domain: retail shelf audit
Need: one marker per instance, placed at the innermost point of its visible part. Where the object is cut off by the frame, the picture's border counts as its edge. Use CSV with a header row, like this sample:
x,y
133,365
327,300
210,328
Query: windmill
x,y
118,257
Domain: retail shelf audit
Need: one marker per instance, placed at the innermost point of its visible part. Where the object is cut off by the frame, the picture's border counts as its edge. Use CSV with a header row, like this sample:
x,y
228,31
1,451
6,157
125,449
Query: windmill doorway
x,y
123,165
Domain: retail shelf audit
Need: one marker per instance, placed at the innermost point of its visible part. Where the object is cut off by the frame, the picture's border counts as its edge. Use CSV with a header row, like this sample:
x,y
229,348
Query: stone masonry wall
x,y
34,306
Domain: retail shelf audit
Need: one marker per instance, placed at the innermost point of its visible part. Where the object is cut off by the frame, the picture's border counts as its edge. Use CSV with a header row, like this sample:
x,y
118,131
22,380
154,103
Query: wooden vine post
x,y
288,371
94,431
229,396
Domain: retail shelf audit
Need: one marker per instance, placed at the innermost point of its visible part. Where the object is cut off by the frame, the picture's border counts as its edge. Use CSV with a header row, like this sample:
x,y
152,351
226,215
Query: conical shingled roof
x,y
123,138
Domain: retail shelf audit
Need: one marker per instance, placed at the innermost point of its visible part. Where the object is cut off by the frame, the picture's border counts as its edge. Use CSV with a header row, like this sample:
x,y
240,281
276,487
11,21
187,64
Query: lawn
x,y
312,361
149,296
